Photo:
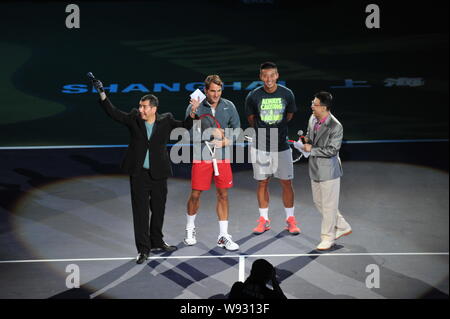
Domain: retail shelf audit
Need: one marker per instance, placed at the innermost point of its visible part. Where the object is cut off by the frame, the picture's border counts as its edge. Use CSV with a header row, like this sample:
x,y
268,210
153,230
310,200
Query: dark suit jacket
x,y
139,143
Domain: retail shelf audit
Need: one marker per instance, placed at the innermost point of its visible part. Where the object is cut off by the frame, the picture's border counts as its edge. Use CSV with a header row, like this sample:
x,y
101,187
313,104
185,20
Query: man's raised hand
x,y
195,103
98,85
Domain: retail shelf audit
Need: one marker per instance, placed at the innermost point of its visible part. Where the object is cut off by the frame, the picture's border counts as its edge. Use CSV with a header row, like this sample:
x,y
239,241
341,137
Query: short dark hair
x,y
153,100
325,99
267,65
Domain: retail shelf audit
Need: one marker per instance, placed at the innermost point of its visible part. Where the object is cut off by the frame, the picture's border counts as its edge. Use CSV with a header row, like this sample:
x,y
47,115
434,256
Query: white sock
x,y
289,212
223,226
264,212
190,221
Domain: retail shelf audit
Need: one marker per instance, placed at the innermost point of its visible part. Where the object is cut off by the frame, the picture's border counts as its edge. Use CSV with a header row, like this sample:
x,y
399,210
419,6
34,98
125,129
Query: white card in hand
x,y
299,145
198,95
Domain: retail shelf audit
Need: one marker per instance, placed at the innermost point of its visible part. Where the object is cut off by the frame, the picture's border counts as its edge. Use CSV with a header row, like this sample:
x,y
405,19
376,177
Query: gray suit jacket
x,y
324,161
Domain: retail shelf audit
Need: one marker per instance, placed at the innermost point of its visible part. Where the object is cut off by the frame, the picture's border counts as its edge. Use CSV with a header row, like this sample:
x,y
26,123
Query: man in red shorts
x,y
227,116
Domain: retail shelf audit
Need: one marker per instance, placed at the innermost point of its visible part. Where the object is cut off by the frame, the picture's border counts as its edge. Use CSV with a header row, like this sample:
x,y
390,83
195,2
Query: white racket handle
x,y
216,168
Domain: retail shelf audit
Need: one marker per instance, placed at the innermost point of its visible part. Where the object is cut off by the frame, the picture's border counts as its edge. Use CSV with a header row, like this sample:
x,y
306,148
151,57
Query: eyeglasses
x,y
144,106
312,104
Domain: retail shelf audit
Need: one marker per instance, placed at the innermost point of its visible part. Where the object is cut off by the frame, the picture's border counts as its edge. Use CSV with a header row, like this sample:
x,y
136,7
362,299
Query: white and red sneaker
x,y
227,243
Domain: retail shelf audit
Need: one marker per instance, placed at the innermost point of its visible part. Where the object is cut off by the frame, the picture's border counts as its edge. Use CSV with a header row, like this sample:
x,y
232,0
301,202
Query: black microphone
x,y
93,79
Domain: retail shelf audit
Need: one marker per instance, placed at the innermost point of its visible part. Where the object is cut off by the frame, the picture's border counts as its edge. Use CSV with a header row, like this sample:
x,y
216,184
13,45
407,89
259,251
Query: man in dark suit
x,y
147,162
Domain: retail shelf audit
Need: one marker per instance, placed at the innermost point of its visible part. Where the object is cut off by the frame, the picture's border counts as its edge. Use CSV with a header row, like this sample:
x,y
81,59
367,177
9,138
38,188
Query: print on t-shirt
x,y
272,110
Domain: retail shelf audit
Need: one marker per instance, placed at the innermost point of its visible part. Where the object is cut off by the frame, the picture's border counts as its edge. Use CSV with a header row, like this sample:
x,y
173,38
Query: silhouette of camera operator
x,y
255,287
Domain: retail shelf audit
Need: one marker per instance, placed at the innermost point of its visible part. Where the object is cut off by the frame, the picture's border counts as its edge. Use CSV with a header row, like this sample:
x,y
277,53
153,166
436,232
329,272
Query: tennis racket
x,y
208,121
296,154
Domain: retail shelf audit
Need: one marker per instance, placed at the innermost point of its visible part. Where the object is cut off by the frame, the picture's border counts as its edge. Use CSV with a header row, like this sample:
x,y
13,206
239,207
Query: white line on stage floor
x,y
228,256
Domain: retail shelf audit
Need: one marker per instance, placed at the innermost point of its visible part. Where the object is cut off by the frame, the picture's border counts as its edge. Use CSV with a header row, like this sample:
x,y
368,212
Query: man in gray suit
x,y
323,141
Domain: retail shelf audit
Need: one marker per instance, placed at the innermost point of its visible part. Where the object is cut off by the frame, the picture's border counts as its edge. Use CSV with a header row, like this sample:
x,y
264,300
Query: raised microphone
x,y
91,76
93,79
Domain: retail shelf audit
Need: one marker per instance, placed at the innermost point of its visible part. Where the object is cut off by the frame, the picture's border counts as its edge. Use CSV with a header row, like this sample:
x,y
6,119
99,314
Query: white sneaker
x,y
190,238
343,232
227,243
325,245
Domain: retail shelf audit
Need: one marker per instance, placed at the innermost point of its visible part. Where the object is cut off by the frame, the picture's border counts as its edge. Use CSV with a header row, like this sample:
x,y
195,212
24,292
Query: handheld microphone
x,y
93,79
300,133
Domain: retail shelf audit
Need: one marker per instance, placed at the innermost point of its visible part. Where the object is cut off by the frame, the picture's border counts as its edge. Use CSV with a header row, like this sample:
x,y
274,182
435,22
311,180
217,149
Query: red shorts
x,y
203,172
